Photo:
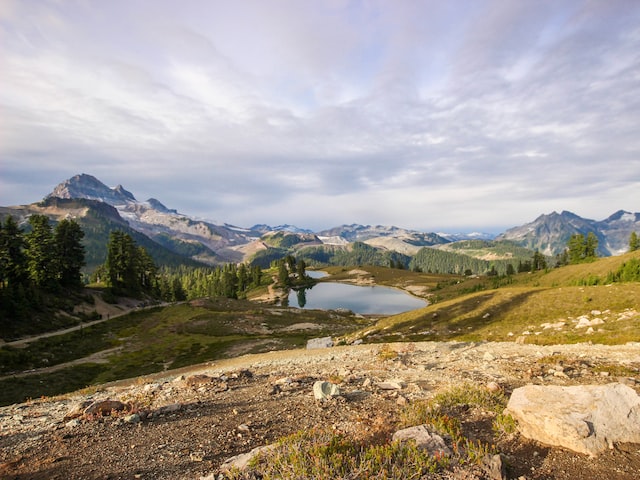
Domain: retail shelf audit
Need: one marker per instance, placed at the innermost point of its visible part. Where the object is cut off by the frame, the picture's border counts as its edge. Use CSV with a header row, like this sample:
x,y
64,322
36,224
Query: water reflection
x,y
358,299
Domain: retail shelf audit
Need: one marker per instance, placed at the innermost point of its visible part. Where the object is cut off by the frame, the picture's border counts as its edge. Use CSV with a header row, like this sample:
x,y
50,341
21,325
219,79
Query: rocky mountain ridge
x,y
217,243
549,233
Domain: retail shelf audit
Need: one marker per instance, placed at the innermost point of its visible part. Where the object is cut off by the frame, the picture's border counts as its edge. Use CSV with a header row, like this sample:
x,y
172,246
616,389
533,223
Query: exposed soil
x,y
190,421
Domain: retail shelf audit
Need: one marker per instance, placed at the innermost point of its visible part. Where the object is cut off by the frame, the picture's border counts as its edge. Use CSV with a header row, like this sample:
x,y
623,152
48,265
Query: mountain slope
x,y
175,231
550,233
97,219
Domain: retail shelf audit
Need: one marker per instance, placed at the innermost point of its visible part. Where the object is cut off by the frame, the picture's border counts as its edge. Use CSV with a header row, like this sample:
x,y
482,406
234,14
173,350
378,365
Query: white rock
x,y
393,384
73,423
425,440
586,419
325,390
241,461
324,342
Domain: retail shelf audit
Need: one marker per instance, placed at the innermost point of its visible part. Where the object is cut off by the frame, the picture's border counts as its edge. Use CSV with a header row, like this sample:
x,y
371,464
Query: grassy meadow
x,y
565,305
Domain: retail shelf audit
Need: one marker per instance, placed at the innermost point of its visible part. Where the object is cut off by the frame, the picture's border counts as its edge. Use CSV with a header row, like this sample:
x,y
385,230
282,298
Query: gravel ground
x,y
190,421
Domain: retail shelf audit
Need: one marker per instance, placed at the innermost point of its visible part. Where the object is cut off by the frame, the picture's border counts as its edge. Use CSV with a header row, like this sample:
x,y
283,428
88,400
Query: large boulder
x,y
586,419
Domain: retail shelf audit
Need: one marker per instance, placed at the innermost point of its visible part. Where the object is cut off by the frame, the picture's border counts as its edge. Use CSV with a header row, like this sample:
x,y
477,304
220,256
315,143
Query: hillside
x,y
549,233
97,219
571,304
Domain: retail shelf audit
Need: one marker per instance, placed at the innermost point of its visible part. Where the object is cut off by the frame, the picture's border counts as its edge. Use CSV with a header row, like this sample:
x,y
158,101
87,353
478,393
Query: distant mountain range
x,y
549,233
171,234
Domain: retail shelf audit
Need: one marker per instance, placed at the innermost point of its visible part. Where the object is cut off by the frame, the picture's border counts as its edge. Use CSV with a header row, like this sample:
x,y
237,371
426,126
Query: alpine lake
x,y
366,300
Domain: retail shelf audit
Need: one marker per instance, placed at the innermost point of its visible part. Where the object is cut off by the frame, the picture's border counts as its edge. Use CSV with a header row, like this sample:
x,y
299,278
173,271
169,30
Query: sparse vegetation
x,y
321,454
325,454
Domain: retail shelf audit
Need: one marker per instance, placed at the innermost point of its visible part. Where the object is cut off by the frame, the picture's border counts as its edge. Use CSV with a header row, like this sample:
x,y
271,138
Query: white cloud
x,y
409,113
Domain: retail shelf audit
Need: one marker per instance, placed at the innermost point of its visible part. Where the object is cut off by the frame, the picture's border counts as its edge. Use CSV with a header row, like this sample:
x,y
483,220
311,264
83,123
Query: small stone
x,y
284,381
105,407
391,385
73,423
495,467
194,380
325,390
77,410
424,439
196,456
134,418
324,342
493,387
240,462
367,383
488,357
171,408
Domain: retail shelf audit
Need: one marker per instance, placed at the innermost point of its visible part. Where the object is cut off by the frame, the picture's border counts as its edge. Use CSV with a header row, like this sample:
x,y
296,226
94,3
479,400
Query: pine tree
x,y
123,263
70,252
590,246
538,262
634,242
575,248
13,262
42,264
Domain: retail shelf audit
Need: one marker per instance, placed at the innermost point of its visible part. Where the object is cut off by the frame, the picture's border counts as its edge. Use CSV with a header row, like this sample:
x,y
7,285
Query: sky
x,y
434,115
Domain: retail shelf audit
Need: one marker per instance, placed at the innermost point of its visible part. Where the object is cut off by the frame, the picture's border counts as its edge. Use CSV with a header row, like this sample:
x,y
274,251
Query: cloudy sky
x,y
427,114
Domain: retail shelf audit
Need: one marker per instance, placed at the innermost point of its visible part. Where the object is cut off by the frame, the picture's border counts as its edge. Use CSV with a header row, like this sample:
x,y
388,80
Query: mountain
x,y
456,237
363,233
97,220
89,187
201,240
262,228
549,233
228,243
616,230
166,230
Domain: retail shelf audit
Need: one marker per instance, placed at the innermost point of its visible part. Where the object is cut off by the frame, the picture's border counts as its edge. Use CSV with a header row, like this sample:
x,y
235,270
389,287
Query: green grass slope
x,y
566,305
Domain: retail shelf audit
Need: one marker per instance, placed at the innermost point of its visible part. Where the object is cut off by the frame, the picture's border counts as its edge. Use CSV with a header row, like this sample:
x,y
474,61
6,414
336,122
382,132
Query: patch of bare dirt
x,y
183,424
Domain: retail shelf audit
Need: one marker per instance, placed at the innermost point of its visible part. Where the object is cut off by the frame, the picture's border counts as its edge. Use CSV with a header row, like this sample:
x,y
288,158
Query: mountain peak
x,y
88,186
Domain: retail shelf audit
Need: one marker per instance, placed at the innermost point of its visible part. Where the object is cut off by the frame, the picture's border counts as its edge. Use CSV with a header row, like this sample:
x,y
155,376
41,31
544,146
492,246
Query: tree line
x,y
130,270
36,266
46,257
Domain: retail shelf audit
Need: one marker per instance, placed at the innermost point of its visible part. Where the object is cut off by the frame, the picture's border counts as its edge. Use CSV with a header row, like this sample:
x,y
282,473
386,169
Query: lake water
x,y
358,299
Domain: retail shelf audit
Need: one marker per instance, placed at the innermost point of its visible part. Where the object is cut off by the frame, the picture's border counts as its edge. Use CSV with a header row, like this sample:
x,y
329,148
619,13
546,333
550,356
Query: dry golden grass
x,y
528,307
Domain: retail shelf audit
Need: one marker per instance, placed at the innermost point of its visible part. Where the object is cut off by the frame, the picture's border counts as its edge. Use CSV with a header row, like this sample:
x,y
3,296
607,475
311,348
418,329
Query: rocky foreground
x,y
185,424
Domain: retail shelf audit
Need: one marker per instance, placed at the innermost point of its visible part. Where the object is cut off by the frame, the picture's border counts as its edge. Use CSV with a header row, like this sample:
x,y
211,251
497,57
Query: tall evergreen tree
x,y
634,242
70,252
123,264
582,248
590,246
538,261
575,248
12,258
42,263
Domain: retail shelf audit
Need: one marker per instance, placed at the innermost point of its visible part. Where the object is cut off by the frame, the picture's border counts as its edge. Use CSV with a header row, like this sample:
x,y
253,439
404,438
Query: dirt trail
x,y
106,310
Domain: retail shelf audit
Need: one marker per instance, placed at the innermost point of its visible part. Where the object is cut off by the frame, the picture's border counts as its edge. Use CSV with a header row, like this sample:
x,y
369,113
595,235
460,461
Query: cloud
x,y
418,114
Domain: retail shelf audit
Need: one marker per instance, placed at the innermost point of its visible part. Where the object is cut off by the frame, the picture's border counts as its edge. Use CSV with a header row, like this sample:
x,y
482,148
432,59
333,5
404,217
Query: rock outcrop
x,y
586,419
